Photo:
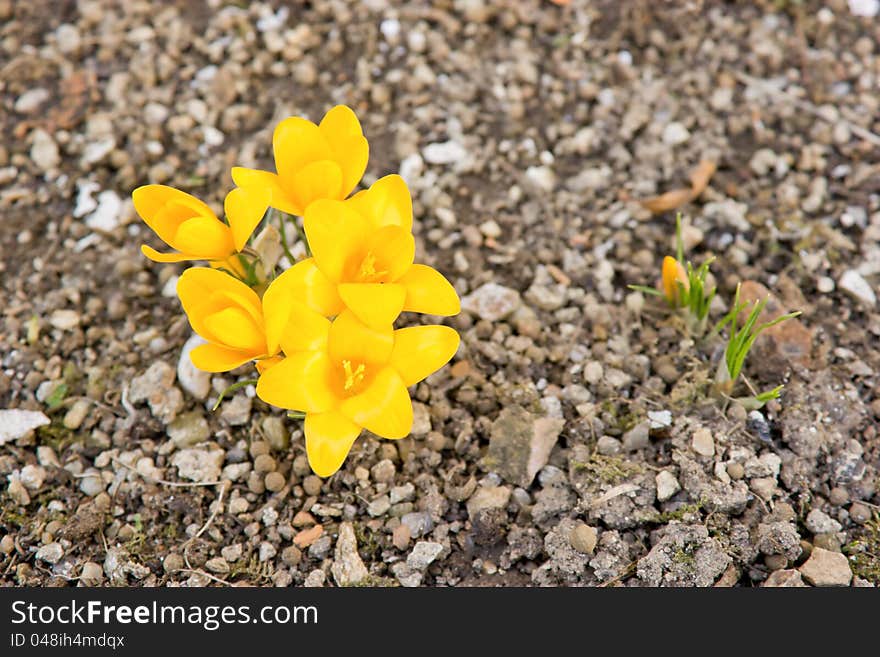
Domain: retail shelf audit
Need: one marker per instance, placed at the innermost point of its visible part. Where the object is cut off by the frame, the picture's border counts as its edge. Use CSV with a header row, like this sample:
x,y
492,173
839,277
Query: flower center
x,y
367,272
352,376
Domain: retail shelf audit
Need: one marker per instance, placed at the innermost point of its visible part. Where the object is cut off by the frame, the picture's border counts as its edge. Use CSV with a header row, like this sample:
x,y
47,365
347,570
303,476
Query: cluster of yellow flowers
x,y
321,334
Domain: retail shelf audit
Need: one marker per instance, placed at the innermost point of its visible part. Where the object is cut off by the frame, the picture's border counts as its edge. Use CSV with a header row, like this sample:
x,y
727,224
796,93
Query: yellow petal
x,y
329,437
427,291
419,351
265,363
384,407
393,249
386,203
155,256
343,131
339,123
672,274
375,304
296,143
207,236
279,198
315,181
235,328
290,323
204,291
214,358
244,209
304,281
353,341
300,382
149,199
337,235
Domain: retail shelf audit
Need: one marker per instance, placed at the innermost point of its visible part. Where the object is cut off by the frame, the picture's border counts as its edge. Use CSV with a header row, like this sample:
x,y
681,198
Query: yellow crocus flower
x,y
324,161
347,377
363,252
673,274
188,225
229,315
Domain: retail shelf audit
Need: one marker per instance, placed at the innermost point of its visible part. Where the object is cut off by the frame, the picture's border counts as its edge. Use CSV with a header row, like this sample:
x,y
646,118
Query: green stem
x,y
284,244
233,388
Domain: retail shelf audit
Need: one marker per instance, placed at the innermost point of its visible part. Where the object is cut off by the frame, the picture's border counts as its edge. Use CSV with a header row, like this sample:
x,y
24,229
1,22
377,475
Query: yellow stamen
x,y
352,378
368,271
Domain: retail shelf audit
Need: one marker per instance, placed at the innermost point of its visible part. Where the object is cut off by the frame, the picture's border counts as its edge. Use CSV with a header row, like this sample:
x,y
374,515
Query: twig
x,y
217,506
199,571
781,94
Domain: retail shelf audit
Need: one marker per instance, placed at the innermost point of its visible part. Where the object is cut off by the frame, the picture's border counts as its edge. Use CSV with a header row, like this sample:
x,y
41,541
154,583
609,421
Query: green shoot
x,y
741,341
683,286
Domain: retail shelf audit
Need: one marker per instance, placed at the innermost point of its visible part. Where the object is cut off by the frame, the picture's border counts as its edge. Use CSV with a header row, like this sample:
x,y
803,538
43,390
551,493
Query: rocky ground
x,y
573,440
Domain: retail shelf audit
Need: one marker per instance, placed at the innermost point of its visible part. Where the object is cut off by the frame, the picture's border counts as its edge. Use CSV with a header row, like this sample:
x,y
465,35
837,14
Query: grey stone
x,y
418,522
854,284
492,302
50,553
423,555
189,429
819,522
348,568
638,437
520,444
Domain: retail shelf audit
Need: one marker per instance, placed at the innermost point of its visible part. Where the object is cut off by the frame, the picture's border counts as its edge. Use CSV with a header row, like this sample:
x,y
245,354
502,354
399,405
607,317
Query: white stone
x,y
854,284
667,485
96,151
106,216
85,202
703,443
192,379
542,177
16,423
44,150
64,320
446,152
675,133
31,100
864,8
201,465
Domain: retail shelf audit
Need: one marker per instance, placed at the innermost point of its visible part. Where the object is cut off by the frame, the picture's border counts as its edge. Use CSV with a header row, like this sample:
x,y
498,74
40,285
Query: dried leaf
x,y
701,176
668,201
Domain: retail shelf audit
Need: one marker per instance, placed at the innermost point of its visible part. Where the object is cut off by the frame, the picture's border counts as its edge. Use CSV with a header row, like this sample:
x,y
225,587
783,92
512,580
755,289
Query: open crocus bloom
x,y
230,316
673,274
346,376
313,161
362,260
188,225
